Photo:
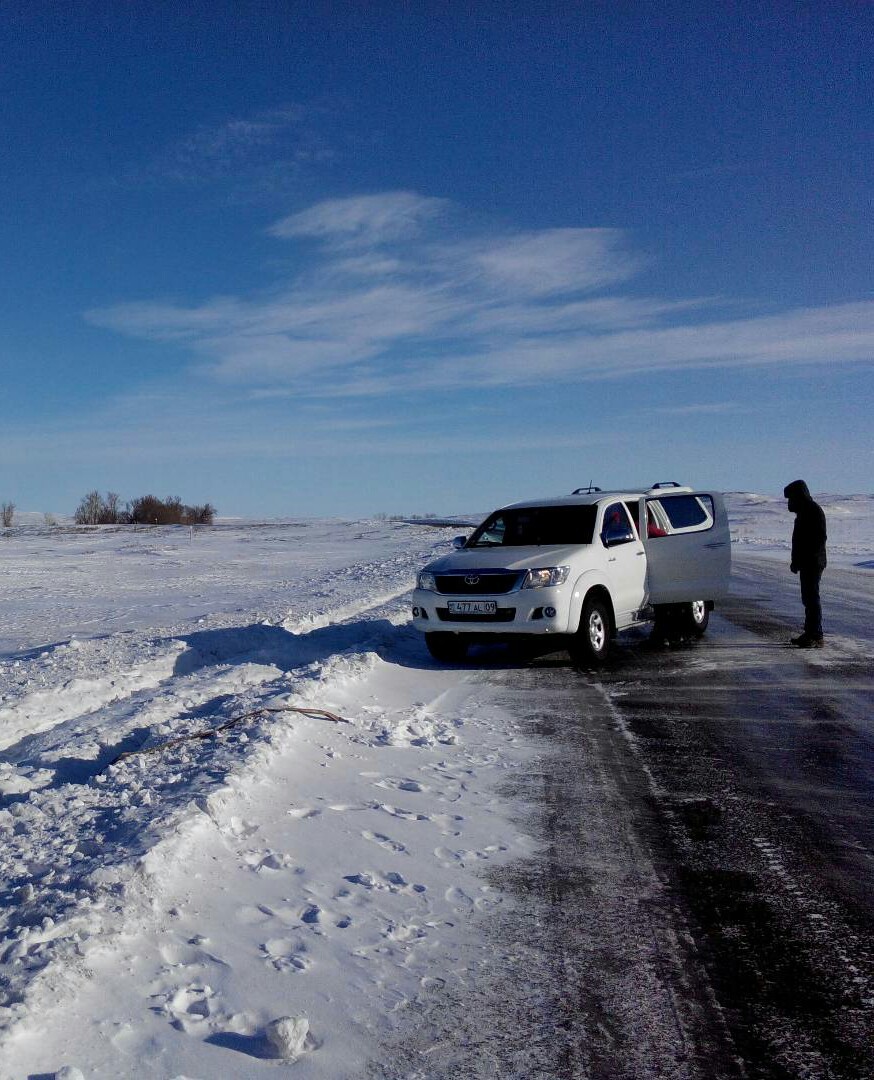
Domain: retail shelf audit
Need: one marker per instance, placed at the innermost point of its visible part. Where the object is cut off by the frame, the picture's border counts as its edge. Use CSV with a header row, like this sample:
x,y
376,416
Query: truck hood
x,y
503,558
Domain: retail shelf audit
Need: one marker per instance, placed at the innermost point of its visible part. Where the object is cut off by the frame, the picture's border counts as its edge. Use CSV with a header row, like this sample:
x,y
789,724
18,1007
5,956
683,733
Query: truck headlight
x,y
425,580
543,578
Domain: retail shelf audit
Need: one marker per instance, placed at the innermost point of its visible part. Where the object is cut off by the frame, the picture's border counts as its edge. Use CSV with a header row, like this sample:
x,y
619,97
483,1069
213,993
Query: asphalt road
x,y
702,905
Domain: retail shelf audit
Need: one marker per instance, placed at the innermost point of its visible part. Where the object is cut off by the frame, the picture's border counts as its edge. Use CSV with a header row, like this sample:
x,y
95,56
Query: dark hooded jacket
x,y
809,533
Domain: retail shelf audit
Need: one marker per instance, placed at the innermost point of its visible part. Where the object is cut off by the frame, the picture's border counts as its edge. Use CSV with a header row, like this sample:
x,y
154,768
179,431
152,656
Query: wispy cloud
x,y
556,261
273,142
365,220
394,295
704,408
161,429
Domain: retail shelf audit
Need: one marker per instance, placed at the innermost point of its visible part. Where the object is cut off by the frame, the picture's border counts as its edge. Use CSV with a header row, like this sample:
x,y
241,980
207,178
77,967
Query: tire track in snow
x,y
79,695
45,709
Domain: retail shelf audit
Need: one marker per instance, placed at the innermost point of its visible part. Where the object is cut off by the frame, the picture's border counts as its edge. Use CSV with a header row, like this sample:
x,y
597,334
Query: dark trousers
x,y
810,599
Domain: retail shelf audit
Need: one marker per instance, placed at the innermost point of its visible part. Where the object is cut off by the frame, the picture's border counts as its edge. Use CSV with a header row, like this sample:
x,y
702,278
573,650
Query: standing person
x,y
808,559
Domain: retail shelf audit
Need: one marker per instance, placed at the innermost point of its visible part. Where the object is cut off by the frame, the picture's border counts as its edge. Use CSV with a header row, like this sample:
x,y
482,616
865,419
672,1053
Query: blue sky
x,y
340,259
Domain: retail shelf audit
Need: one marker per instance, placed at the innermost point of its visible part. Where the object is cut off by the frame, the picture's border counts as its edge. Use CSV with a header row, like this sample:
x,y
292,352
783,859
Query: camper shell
x,y
583,567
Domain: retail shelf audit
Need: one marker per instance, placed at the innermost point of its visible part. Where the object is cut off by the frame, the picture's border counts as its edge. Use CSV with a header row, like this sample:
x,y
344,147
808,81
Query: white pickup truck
x,y
584,566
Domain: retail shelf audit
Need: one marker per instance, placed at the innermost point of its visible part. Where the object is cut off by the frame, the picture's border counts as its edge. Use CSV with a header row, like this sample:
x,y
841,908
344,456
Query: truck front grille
x,y
478,582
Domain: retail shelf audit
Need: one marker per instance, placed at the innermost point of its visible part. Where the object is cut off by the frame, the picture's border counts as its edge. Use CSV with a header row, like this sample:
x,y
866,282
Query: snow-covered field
x,y
167,898
760,524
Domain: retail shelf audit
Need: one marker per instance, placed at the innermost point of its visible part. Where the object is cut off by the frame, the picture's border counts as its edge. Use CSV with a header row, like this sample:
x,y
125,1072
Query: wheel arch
x,y
599,591
588,581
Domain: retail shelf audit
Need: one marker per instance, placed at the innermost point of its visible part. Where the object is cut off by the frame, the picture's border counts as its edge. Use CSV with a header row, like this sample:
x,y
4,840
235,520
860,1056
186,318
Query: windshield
x,y
530,526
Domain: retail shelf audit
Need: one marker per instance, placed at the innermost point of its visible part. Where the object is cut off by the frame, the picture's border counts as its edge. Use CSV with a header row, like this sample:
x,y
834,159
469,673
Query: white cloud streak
x,y
264,149
364,220
392,299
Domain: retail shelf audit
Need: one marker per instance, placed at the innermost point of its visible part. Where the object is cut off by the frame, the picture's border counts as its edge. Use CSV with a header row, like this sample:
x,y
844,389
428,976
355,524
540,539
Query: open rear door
x,y
692,560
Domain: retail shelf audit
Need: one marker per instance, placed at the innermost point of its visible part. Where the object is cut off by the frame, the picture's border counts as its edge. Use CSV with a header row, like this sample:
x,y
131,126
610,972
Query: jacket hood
x,y
797,491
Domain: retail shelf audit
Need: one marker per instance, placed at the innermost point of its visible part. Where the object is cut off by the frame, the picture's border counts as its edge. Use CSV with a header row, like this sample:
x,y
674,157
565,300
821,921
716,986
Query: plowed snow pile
x,y
162,912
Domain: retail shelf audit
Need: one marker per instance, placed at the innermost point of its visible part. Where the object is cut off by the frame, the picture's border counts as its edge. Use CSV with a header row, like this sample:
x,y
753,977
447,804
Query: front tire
x,y
591,643
446,647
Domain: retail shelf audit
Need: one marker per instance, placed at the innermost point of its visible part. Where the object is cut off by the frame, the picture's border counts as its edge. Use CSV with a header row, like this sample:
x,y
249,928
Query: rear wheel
x,y
446,647
673,622
591,643
696,616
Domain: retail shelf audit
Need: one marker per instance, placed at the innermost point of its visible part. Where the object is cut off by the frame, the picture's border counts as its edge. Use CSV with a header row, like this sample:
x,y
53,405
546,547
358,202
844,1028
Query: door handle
x,y
716,544
641,553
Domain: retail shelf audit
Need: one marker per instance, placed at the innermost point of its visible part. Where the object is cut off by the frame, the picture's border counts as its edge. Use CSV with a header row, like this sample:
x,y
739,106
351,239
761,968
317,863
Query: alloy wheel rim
x,y
597,633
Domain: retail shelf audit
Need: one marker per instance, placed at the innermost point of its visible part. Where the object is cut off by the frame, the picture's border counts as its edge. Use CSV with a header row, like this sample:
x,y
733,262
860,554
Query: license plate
x,y
472,607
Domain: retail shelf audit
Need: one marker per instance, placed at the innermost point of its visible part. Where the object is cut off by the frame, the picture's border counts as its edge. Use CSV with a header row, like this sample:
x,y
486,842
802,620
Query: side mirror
x,y
614,537
458,542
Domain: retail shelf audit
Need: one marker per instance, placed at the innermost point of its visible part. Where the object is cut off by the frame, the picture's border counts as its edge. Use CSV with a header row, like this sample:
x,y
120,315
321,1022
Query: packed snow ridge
x,y
185,879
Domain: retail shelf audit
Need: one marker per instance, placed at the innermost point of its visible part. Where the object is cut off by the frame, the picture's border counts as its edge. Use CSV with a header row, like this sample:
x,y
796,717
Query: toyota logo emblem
x,y
471,579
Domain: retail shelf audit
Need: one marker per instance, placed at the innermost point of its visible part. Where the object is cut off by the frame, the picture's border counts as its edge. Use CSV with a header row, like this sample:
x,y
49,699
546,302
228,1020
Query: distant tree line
x,y
97,509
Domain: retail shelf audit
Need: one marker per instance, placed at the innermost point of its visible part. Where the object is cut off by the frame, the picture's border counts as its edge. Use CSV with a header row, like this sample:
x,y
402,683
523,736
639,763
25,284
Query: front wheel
x,y
447,647
591,643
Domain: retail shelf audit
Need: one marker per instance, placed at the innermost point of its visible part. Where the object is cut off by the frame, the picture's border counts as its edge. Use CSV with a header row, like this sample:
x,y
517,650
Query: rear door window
x,y
688,513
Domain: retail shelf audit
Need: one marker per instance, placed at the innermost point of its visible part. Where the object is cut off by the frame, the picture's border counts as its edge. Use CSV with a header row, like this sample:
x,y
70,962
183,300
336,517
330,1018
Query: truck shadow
x,y
400,645
277,647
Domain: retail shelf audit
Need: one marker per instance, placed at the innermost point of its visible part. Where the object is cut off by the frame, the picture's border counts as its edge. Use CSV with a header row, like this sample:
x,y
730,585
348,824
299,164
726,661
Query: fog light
x,y
415,613
549,612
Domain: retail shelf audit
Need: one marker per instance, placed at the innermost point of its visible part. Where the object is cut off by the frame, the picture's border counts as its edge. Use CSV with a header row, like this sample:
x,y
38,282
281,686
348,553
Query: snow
x,y
183,901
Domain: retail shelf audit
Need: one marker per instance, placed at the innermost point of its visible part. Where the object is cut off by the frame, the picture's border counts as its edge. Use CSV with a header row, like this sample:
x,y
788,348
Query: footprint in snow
x,y
311,914
188,955
286,954
239,828
190,1008
384,841
459,899
392,881
447,823
400,784
448,856
399,812
267,860
255,916
404,932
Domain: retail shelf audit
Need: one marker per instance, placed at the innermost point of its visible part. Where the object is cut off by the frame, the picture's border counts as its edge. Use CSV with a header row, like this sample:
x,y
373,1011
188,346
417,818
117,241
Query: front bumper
x,y
523,611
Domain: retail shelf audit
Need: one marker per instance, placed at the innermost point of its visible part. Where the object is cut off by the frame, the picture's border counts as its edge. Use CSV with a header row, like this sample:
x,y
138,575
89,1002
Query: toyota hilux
x,y
580,567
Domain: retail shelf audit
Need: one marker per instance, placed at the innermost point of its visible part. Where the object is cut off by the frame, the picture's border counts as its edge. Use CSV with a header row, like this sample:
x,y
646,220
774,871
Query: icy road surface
x,y
506,869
